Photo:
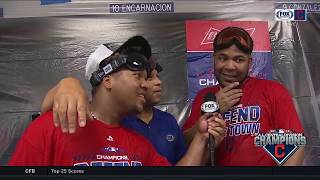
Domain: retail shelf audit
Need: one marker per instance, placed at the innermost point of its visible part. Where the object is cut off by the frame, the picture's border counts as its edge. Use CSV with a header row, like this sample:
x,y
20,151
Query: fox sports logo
x,y
284,14
210,107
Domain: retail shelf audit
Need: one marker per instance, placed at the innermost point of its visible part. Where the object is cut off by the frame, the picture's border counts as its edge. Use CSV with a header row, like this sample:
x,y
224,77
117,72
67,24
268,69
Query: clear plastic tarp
x,y
42,43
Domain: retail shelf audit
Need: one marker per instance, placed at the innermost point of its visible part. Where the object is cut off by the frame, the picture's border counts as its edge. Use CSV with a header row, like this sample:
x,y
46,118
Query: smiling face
x,y
153,89
129,88
231,65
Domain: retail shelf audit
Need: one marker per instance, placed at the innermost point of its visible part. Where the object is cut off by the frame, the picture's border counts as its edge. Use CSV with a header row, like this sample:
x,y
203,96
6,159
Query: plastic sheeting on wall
x,y
36,52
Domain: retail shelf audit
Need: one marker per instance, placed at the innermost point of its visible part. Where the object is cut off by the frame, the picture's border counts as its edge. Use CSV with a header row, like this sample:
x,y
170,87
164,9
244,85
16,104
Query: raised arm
x,y
69,103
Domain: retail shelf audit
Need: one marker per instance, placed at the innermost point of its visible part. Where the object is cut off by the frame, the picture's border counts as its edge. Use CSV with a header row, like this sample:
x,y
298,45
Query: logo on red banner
x,y
212,32
200,34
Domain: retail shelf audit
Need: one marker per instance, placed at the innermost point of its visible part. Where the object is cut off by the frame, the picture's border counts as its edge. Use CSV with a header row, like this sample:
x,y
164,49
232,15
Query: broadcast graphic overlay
x,y
295,11
280,144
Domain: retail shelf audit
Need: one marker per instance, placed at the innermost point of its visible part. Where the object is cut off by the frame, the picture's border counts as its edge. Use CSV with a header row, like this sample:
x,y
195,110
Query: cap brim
x,y
139,43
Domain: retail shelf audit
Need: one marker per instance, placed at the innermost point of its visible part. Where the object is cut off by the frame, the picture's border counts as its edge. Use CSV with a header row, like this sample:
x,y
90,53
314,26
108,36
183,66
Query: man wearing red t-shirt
x,y
118,90
250,105
98,144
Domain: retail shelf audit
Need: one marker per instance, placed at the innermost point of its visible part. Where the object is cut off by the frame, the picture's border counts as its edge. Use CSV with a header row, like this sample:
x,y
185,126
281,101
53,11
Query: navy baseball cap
x,y
140,44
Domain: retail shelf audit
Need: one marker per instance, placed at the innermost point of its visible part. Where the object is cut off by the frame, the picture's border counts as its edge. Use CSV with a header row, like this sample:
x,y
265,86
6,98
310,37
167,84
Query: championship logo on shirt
x,y
280,144
199,41
109,156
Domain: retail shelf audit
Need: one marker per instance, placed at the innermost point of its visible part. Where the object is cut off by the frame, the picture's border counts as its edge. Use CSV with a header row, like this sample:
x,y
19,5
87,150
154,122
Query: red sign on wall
x,y
200,34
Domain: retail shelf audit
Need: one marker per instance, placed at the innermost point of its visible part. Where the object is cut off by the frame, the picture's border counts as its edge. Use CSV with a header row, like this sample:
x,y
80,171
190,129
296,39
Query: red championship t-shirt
x,y
97,144
265,105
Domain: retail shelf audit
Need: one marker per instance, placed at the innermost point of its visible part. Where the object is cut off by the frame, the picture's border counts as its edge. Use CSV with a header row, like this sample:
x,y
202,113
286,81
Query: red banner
x,y
200,34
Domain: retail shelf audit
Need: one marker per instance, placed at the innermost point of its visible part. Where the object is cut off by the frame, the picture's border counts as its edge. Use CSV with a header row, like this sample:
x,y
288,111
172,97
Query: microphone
x,y
210,105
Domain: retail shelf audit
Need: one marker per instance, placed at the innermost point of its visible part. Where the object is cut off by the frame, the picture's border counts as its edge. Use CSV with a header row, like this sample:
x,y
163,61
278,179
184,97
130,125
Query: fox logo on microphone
x,y
210,107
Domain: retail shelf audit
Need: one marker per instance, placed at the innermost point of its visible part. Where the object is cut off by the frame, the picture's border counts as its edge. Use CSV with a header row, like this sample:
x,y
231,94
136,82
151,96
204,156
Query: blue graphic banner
x,y
47,2
159,7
